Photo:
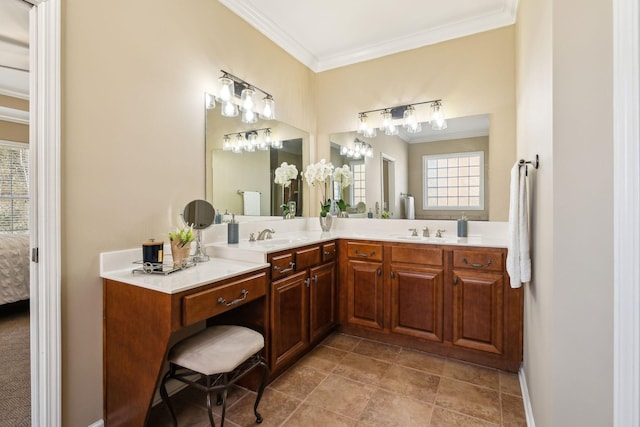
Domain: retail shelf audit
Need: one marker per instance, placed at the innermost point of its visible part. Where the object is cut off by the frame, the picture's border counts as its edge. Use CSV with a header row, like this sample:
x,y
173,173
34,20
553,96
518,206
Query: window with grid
x,y
14,187
359,185
454,181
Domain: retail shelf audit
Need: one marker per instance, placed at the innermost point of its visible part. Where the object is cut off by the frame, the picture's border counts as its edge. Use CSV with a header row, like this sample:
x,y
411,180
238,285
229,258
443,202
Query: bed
x,y
14,267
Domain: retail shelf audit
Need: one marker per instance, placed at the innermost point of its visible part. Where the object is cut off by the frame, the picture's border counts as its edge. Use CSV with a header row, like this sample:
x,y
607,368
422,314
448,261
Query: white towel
x,y
518,255
251,203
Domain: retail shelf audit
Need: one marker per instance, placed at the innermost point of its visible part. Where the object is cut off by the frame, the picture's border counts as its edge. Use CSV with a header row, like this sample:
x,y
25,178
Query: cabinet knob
x,y
314,279
379,272
393,274
307,281
455,281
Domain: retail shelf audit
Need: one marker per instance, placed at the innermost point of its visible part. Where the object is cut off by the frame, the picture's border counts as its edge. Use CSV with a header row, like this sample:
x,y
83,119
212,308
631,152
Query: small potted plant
x,y
181,245
284,175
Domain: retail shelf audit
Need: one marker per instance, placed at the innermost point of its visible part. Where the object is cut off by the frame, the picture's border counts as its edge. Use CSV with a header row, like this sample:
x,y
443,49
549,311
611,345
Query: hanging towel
x,y
251,203
409,207
518,255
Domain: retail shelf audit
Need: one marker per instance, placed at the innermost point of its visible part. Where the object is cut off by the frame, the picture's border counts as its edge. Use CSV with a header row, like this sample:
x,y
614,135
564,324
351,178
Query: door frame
x,y
44,137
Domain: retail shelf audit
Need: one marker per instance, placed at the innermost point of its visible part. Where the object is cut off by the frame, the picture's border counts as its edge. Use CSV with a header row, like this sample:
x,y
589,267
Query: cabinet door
x,y
478,310
322,300
416,302
290,330
365,294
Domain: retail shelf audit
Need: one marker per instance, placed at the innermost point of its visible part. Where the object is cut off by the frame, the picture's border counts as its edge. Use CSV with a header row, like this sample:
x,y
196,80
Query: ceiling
x,y
326,34
14,48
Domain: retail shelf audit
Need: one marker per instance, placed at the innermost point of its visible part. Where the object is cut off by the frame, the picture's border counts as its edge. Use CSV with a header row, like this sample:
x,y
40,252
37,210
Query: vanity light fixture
x,y
250,141
237,95
403,115
359,150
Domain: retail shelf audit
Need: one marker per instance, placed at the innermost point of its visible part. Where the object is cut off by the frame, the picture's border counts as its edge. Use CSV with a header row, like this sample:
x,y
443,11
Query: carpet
x,y
15,375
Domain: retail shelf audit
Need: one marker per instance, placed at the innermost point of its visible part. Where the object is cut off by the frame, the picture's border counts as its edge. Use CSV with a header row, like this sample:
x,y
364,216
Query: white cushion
x,y
217,349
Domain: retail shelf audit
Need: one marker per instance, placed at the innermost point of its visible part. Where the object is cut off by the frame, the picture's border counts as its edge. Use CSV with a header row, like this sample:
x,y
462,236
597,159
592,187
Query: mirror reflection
x,y
433,174
242,182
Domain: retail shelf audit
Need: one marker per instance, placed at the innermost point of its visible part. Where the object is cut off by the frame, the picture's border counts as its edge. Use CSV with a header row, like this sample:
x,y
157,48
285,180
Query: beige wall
x,y
473,75
134,77
564,82
11,131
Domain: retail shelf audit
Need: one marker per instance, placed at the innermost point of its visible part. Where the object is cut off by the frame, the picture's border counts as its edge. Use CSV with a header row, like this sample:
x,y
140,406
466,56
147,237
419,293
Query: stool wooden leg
x,y
263,384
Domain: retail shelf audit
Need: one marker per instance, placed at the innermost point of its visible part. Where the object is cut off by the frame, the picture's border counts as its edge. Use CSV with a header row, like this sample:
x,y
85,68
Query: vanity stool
x,y
219,356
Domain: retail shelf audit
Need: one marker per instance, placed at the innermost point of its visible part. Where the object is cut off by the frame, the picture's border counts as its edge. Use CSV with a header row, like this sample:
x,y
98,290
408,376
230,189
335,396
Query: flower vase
x,y
180,253
326,222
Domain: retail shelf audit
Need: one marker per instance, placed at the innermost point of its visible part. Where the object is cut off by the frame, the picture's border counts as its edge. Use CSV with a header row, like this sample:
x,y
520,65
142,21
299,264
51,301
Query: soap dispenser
x,y
462,226
232,230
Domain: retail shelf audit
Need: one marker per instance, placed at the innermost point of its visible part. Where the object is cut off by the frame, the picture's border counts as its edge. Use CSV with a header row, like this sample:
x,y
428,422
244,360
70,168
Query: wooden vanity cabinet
x,y
303,301
449,300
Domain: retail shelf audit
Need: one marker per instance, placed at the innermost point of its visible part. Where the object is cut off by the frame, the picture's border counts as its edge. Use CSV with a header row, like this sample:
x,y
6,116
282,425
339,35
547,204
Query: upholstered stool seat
x,y
221,355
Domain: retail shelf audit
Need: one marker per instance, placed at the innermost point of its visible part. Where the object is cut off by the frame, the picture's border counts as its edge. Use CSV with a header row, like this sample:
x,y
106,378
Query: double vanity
x,y
446,296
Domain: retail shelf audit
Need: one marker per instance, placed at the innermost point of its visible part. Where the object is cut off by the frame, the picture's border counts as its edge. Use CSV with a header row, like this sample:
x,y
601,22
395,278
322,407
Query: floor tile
x,y
473,374
275,407
513,411
342,396
199,398
444,418
421,361
186,413
313,416
342,341
298,381
411,383
386,409
323,358
479,402
361,368
510,383
377,350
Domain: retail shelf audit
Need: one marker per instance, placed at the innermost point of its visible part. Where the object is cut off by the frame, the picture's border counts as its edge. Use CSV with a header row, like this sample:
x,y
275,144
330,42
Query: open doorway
x,y
15,383
388,180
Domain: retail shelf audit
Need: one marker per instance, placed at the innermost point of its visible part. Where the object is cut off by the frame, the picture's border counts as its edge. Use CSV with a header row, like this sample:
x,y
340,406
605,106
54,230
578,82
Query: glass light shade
x,y
438,121
210,101
267,138
226,143
229,109
343,150
227,90
263,145
370,133
268,108
249,116
391,130
362,123
386,121
252,139
410,120
247,101
277,144
369,152
239,144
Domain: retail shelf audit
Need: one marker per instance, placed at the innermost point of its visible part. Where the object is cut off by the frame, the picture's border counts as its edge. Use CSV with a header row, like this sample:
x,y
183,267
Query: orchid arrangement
x,y
344,176
317,174
183,235
285,173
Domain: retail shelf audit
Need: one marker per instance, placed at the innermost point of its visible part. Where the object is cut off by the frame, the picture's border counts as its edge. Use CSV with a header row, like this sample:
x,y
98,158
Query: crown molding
x,y
506,16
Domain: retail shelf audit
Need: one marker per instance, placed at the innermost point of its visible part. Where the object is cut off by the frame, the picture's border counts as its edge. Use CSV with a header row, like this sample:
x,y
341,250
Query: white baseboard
x,y
99,423
528,411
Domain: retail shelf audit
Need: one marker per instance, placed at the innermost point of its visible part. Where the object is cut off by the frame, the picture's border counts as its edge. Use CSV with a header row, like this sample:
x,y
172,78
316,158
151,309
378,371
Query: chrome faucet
x,y
414,232
425,232
439,233
266,233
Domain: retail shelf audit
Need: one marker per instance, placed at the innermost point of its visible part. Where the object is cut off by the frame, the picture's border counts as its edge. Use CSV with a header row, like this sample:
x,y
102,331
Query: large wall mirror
x,y
243,183
442,173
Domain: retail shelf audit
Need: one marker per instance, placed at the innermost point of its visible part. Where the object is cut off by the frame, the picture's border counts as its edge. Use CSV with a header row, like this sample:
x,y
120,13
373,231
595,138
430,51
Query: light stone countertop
x,y
229,260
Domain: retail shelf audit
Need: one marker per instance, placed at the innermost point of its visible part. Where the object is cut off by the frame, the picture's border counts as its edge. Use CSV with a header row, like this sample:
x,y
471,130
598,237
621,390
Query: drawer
x,y
417,254
308,257
282,266
486,259
329,252
372,251
205,304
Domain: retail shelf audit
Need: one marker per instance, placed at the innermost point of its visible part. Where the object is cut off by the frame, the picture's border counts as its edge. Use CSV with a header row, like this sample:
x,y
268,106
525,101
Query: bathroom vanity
x,y
447,297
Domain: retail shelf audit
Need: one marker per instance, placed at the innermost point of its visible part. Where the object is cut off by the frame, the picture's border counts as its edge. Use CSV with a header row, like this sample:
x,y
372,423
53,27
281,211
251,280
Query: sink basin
x,y
420,238
282,241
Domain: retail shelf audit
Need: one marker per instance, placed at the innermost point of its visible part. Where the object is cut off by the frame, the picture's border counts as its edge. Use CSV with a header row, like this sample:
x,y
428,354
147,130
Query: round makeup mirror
x,y
200,215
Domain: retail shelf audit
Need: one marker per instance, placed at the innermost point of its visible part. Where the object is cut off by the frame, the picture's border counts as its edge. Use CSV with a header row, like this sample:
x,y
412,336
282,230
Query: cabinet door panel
x,y
365,297
478,310
322,300
288,318
416,302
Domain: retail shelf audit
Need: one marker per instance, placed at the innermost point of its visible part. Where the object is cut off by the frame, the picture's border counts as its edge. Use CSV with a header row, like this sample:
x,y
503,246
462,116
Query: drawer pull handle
x,y
244,293
464,260
292,265
307,281
314,279
329,253
365,255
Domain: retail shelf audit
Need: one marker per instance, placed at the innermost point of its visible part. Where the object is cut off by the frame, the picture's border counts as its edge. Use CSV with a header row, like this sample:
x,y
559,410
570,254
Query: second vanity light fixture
x,y
250,141
238,96
403,115
360,150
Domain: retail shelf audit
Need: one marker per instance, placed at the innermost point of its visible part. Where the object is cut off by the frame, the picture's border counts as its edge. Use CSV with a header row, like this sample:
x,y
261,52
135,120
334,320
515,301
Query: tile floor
x,y
349,381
